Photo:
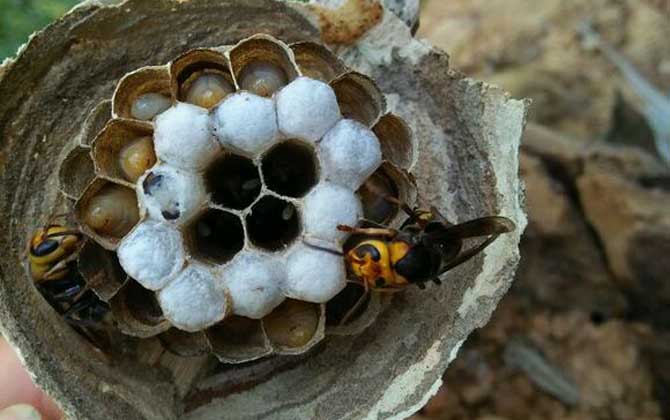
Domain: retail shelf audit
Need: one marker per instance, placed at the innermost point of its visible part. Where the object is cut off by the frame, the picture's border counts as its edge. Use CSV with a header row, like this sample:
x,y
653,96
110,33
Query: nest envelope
x,y
465,143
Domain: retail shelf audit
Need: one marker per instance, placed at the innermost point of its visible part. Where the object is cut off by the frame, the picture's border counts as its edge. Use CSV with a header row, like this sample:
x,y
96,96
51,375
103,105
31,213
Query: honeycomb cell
x,y
201,77
262,65
313,275
233,181
142,305
326,207
293,324
262,78
171,195
237,339
148,105
182,137
374,195
152,253
245,122
273,223
143,94
359,98
124,150
346,305
349,153
184,344
307,109
192,301
108,209
317,61
254,284
215,236
290,169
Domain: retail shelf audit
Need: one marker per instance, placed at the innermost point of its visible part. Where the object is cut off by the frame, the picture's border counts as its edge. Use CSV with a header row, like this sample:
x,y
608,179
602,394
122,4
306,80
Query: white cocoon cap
x,y
192,302
245,122
254,283
152,254
182,137
350,153
313,275
327,206
170,194
307,109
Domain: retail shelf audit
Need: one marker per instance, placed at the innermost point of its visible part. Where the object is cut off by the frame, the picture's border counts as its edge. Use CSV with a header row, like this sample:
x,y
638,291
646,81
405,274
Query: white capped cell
x,y
350,152
313,275
254,283
307,109
152,254
191,301
245,122
182,137
170,194
327,206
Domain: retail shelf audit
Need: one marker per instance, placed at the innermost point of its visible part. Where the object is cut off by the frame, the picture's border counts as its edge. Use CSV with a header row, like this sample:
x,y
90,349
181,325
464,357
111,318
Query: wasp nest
x,y
219,182
229,205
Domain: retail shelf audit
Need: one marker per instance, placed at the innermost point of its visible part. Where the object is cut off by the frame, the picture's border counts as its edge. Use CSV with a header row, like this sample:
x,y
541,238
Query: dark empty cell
x,y
216,236
273,223
290,169
372,194
597,317
233,181
344,304
142,304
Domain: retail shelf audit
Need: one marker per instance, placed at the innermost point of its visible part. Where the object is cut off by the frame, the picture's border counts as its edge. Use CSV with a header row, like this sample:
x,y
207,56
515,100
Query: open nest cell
x,y
290,168
215,236
273,223
233,181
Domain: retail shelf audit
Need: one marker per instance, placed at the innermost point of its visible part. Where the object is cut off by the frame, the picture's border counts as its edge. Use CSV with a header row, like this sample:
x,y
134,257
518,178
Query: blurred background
x,y
19,18
585,331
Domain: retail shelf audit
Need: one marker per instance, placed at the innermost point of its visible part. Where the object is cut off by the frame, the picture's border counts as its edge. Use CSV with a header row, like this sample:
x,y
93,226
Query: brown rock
x,y
629,210
563,265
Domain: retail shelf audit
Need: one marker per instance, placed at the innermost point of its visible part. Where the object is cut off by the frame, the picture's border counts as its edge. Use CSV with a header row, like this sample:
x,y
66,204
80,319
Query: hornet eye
x,y
45,248
367,249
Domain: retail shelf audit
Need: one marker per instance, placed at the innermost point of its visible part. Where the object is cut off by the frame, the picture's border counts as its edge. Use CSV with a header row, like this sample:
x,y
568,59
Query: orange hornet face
x,y
47,248
371,262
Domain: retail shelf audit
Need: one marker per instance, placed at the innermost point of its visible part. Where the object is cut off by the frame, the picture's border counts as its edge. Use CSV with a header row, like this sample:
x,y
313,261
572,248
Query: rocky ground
x,y
584,332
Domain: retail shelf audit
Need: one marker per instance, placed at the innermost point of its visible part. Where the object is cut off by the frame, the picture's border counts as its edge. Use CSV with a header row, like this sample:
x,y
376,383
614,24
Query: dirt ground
x,y
583,334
